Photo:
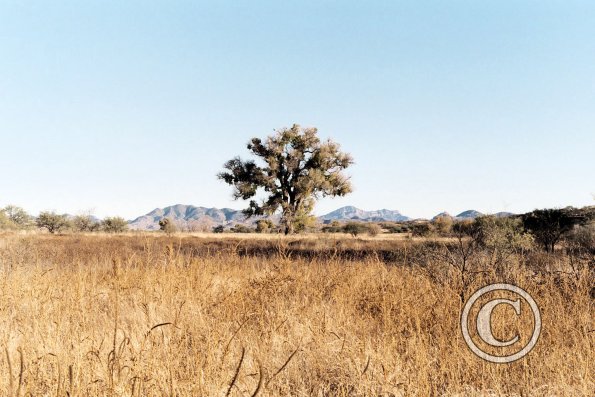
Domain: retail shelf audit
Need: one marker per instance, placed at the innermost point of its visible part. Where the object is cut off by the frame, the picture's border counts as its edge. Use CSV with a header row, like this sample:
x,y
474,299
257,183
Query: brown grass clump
x,y
153,316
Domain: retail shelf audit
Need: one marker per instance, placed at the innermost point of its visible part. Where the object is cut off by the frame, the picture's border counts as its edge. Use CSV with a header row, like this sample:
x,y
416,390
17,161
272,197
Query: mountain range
x,y
353,213
188,216
192,218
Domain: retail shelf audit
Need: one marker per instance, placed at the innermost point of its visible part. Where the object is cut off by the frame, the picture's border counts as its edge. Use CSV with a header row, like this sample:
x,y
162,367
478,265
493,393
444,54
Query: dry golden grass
x,y
193,316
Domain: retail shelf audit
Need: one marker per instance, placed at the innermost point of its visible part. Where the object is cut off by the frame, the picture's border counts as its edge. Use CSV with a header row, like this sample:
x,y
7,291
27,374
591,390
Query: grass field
x,y
150,315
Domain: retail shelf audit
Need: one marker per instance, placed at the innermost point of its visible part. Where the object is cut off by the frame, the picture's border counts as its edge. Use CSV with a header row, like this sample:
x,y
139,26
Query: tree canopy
x,y
295,169
52,222
548,225
114,224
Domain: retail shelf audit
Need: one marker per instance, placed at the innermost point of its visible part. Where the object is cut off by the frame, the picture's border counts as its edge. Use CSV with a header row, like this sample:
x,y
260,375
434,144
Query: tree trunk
x,y
289,228
287,219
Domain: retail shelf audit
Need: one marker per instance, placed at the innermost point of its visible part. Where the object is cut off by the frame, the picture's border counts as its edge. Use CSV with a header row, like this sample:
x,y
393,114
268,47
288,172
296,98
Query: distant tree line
x,y
261,226
544,228
16,218
353,228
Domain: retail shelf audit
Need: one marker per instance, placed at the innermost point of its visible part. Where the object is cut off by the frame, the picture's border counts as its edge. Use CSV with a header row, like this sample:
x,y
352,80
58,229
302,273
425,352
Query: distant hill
x,y
472,214
188,216
469,214
442,214
353,213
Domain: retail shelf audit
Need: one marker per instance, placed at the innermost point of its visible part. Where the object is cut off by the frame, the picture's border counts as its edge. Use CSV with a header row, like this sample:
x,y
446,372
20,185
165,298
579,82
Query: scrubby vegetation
x,y
17,219
346,312
52,222
323,315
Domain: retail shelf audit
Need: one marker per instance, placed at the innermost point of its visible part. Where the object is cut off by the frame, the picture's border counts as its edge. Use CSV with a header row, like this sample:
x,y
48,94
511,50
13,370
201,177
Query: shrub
x,y
581,239
52,222
357,228
218,229
421,229
5,223
264,226
502,237
443,225
114,224
394,227
374,229
168,226
239,228
17,216
548,226
333,227
85,223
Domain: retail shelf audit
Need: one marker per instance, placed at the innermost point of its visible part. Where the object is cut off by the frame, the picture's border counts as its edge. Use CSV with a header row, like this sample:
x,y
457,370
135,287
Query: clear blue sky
x,y
121,106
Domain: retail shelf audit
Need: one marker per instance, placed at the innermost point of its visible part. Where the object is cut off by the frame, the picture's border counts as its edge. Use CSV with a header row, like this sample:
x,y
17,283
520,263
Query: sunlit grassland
x,y
207,315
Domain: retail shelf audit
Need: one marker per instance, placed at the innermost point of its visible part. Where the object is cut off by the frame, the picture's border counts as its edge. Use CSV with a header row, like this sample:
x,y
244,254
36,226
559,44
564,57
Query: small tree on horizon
x,y
295,170
18,216
548,226
443,224
85,223
5,223
167,226
52,222
114,224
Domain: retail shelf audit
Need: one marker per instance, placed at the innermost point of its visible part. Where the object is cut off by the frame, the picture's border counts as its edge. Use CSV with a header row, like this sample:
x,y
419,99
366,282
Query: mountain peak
x,y
469,214
442,214
351,212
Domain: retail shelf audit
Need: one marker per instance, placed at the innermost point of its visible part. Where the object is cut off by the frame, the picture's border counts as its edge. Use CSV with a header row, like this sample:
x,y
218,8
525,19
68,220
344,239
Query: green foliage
x,y
239,228
18,216
357,228
548,226
298,169
85,223
218,229
502,232
13,217
466,228
422,229
5,223
168,226
114,224
374,229
303,219
333,227
265,226
581,240
354,228
392,227
51,221
443,225
502,237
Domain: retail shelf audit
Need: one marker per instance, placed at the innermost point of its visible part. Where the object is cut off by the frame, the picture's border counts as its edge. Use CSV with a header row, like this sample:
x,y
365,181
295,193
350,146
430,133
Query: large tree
x,y
294,169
